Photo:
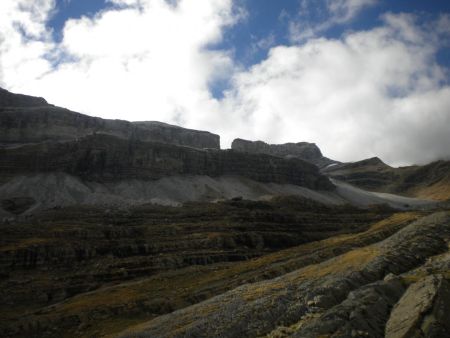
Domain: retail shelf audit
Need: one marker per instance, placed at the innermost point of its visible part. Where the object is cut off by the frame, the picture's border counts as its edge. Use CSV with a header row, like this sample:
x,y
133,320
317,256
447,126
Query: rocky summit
x,y
142,229
303,150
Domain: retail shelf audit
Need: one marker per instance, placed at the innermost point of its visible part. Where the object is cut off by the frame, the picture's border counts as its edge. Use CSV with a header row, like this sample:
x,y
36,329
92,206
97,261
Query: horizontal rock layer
x,y
106,158
348,296
63,267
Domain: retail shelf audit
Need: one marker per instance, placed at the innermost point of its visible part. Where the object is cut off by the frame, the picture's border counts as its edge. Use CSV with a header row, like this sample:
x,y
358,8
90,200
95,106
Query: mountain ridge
x,y
37,122
309,152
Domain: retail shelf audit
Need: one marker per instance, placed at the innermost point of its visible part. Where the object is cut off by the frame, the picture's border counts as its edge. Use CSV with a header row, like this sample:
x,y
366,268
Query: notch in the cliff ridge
x,y
8,99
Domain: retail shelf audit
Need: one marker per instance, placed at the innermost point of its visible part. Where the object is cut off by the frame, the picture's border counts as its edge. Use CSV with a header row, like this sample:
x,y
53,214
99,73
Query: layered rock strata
x,y
349,296
303,150
65,271
107,158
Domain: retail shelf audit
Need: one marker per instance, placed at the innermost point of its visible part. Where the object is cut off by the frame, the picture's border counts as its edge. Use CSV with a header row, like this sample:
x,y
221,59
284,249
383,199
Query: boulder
x,y
422,311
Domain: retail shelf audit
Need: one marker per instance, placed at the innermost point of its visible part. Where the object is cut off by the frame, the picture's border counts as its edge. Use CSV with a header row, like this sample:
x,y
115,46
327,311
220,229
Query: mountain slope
x,y
41,140
142,229
349,293
429,181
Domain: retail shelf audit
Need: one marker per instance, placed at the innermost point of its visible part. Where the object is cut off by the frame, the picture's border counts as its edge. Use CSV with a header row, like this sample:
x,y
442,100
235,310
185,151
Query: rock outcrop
x,y
104,158
285,268
26,119
422,311
348,296
306,151
66,271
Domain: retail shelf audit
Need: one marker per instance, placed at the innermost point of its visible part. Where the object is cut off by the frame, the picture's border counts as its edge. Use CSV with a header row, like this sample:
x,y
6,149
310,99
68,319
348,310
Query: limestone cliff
x,y
26,119
303,150
104,157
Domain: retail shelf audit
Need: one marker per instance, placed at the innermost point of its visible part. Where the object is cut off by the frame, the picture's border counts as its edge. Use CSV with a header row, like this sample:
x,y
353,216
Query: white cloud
x,y
373,93
142,60
376,92
316,17
24,40
346,10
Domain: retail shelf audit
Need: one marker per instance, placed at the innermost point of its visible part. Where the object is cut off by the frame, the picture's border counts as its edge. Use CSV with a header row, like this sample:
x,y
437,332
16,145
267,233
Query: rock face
x,y
104,158
38,138
306,151
26,119
422,311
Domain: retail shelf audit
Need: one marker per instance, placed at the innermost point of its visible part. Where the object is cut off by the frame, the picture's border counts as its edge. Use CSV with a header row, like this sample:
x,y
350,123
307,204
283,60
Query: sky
x,y
360,78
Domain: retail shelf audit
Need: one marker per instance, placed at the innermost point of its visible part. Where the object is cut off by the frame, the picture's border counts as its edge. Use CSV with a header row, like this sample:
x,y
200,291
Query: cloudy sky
x,y
360,78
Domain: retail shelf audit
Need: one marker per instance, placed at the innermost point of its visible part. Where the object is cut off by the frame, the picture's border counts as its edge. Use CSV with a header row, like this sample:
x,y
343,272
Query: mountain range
x,y
113,228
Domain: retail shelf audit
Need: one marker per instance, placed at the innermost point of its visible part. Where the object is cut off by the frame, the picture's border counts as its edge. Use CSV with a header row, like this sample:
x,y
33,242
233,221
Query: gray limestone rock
x,y
423,311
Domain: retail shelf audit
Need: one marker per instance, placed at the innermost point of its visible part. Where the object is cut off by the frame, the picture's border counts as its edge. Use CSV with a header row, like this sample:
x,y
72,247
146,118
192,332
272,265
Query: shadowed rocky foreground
x,y
375,290
288,267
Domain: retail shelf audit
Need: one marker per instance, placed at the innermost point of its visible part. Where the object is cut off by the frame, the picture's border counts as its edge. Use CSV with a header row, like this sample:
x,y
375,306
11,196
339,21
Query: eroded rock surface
x,y
63,268
423,311
290,301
